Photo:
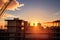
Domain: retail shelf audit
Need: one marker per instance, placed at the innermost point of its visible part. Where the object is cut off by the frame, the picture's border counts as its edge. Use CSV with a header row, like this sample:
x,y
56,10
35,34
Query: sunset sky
x,y
37,10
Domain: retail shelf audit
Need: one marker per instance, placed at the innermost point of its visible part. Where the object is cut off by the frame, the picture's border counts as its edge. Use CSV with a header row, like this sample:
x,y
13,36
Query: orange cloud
x,y
4,1
6,15
14,5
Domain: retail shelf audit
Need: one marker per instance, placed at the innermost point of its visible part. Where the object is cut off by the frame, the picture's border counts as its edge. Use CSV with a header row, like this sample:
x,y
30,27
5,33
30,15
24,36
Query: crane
x,y
4,8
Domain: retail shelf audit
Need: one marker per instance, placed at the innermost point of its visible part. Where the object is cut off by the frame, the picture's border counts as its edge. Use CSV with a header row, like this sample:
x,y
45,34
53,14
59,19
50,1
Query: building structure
x,y
16,29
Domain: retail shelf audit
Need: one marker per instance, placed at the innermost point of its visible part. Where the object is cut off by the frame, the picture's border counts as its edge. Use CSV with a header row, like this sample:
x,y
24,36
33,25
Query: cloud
x,y
6,15
57,13
14,5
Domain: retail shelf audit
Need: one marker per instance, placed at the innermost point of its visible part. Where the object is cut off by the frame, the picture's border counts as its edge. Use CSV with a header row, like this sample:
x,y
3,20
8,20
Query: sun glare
x,y
33,24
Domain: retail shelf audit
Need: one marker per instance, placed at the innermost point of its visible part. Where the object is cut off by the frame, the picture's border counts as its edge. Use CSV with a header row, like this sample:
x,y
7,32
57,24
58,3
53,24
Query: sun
x,y
33,24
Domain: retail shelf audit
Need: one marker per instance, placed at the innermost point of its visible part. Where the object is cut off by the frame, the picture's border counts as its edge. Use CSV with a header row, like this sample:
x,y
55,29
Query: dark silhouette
x,y
21,30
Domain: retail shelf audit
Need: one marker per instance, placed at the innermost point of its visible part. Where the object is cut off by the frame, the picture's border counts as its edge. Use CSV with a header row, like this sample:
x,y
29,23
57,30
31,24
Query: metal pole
x,y
4,7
